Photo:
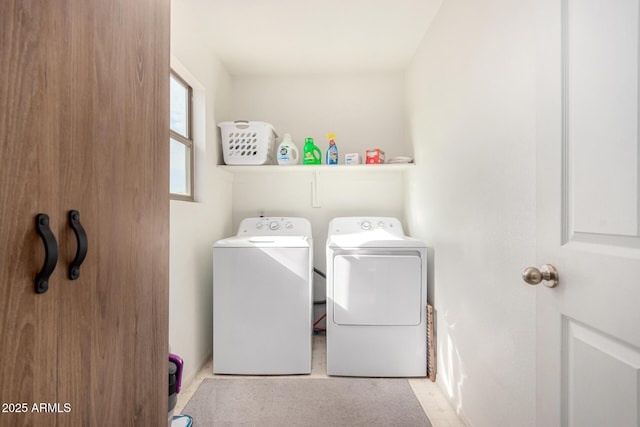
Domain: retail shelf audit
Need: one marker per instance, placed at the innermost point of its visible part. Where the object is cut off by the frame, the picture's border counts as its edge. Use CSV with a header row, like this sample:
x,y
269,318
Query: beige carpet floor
x,y
307,402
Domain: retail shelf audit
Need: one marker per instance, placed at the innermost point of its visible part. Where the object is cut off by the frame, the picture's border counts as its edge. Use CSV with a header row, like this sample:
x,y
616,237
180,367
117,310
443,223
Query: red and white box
x,y
374,156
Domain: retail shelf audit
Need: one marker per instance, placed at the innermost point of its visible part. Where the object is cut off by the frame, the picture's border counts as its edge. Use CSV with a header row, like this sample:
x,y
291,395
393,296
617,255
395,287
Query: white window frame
x,y
188,142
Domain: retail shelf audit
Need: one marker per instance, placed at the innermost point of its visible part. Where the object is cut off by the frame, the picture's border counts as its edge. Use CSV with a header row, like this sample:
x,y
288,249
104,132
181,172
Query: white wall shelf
x,y
396,167
321,186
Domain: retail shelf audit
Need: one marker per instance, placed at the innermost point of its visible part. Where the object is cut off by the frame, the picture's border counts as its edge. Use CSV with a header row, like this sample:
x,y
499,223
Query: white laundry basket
x,y
247,143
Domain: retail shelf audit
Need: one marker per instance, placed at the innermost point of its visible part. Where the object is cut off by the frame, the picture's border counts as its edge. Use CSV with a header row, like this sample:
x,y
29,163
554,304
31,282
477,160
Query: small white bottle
x,y
287,151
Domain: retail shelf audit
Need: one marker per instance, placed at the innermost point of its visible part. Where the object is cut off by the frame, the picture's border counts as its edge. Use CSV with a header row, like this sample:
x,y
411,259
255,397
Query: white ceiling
x,y
274,37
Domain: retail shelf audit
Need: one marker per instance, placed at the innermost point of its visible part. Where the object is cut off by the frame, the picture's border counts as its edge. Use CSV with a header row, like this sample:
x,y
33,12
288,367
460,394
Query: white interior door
x,y
588,327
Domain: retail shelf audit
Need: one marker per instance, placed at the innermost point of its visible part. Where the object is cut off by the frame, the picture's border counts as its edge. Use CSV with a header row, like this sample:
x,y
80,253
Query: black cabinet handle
x,y
50,253
83,244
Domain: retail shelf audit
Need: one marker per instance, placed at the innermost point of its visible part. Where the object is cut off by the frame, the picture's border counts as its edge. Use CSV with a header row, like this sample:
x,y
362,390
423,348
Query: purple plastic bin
x,y
178,361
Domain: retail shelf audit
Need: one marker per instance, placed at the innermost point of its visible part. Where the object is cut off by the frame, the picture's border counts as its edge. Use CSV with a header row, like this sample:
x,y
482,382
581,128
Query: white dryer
x,y
262,298
376,299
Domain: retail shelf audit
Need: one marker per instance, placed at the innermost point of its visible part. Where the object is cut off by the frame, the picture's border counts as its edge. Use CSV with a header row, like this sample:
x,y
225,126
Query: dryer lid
x,y
369,232
377,290
373,239
365,224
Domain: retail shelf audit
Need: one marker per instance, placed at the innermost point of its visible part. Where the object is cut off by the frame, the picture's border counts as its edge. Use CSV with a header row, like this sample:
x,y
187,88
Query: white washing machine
x,y
376,299
262,298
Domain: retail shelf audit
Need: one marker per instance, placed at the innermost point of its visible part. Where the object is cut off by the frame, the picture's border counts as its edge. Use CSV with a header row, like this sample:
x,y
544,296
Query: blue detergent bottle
x,y
332,151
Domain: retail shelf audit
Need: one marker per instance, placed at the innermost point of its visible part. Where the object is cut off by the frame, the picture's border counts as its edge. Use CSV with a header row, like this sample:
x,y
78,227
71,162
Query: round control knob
x,y
289,226
259,226
274,225
381,224
366,225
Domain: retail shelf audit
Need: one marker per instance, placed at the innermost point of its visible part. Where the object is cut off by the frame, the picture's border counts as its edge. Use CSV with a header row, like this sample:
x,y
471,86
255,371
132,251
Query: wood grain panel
x,y
28,178
116,165
84,125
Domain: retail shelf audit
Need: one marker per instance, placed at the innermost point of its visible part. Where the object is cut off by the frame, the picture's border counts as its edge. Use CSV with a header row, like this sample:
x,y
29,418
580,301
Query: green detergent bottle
x,y
312,154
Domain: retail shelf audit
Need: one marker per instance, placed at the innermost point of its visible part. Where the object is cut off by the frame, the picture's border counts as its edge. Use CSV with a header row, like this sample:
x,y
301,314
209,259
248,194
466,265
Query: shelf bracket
x,y
315,196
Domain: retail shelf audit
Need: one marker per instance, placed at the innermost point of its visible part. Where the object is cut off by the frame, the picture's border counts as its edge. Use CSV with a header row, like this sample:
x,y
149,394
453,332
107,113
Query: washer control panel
x,y
350,225
275,226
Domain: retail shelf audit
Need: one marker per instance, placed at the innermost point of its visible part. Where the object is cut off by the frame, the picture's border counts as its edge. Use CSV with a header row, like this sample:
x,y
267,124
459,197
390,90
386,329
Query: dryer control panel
x,y
275,226
351,225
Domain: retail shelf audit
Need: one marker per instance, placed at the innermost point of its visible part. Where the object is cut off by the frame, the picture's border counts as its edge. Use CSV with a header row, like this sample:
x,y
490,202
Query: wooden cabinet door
x,y
29,184
84,126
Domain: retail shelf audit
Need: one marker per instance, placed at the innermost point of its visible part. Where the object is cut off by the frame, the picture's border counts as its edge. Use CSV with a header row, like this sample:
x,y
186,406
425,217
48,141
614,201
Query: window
x,y
181,139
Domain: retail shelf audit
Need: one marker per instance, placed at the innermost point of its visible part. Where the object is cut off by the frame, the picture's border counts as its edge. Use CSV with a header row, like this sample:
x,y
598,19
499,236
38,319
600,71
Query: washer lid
x,y
264,242
378,238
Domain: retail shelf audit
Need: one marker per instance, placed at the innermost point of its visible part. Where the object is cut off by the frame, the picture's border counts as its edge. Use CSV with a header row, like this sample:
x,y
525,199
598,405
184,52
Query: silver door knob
x,y
547,274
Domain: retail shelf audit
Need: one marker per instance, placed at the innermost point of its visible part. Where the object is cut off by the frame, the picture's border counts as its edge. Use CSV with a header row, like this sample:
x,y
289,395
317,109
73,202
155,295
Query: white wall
x,y
470,102
364,111
195,226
